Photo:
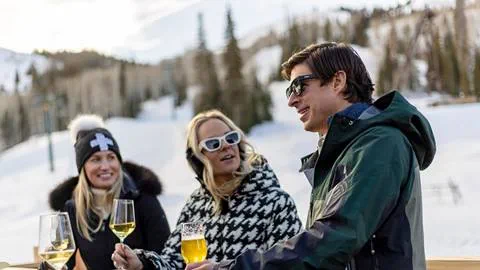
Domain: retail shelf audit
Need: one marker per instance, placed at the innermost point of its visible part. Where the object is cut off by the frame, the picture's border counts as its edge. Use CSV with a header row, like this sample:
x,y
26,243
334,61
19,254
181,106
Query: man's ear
x,y
339,82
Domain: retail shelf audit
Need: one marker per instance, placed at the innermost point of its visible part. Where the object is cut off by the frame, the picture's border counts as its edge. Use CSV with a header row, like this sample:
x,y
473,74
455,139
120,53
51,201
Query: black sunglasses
x,y
214,143
298,85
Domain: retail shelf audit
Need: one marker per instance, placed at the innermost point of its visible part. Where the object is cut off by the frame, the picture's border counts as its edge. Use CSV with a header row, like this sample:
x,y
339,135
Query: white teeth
x,y
227,157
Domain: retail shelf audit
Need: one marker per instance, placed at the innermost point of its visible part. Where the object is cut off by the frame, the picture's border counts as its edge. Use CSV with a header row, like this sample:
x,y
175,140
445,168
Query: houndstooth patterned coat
x,y
259,214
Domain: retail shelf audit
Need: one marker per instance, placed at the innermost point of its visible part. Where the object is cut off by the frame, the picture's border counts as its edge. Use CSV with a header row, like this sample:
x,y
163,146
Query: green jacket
x,y
365,207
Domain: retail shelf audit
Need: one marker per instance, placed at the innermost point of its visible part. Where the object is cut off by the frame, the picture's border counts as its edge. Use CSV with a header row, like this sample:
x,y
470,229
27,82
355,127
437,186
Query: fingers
x,y
118,260
198,265
123,250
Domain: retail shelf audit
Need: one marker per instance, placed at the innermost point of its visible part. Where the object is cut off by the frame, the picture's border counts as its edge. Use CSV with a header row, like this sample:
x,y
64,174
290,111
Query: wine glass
x,y
55,241
122,221
194,246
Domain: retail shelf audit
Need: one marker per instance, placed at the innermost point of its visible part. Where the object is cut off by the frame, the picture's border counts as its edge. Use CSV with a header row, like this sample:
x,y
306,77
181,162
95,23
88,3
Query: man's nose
x,y
292,100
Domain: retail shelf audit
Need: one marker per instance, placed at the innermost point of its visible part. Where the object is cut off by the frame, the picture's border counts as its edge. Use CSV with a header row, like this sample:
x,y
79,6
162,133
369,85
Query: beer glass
x,y
194,246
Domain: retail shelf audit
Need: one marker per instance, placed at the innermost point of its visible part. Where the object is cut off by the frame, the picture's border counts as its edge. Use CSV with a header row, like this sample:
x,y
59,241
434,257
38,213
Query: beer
x,y
194,249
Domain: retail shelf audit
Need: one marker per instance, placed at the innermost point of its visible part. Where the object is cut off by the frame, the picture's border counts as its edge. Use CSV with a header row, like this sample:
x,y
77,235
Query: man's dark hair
x,y
326,59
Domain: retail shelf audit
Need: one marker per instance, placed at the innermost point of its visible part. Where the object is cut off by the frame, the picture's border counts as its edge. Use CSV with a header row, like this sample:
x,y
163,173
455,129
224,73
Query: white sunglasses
x,y
215,143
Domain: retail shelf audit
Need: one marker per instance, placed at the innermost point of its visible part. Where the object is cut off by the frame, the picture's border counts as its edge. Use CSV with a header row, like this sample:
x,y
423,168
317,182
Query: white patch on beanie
x,y
84,122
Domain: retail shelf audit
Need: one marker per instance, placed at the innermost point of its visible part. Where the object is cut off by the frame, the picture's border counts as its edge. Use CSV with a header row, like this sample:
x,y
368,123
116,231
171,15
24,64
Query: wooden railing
x,y
454,263
443,263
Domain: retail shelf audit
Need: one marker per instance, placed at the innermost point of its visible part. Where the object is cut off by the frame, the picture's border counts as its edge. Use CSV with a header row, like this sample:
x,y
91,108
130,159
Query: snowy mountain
x,y
157,140
172,34
11,61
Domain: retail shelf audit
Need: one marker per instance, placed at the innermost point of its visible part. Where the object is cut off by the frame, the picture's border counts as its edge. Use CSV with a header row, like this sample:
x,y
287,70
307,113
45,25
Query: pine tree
x,y
343,35
148,92
180,79
290,44
235,93
314,29
360,36
32,72
210,94
296,42
122,89
462,42
23,119
7,127
23,125
327,30
17,81
261,98
434,82
476,75
451,74
385,81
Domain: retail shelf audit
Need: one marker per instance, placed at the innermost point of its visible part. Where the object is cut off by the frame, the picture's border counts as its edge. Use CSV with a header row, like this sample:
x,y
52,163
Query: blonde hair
x,y
83,197
248,157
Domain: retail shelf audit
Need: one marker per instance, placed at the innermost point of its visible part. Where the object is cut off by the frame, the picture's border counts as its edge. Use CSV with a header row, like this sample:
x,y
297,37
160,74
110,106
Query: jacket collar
x,y
129,188
352,112
137,179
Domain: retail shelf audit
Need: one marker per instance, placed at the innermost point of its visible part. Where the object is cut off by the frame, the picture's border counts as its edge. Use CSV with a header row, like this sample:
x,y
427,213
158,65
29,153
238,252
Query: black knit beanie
x,y
92,141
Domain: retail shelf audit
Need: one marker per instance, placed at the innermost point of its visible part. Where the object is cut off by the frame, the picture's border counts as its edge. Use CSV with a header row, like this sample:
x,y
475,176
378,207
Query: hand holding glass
x,y
55,242
194,246
122,221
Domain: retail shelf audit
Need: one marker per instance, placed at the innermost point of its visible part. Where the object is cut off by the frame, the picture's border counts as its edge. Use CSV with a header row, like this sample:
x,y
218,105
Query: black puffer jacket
x,y
151,231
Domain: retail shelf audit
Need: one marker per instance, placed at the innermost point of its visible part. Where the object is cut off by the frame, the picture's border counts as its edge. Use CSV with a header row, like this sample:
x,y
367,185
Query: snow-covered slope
x,y
157,140
11,61
173,33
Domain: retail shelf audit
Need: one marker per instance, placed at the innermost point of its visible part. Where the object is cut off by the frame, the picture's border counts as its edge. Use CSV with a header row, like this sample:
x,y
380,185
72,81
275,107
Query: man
x,y
366,205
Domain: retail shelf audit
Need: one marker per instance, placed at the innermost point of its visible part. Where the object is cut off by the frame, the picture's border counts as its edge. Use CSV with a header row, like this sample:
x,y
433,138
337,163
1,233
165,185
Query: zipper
x,y
375,263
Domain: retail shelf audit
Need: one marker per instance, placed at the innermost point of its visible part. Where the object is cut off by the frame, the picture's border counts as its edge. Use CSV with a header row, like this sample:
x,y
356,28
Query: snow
x,y
11,61
266,62
158,39
156,139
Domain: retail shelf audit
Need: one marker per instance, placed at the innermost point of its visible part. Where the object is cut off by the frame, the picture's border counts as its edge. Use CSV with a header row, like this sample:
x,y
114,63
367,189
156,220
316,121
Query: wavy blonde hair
x,y
248,157
83,197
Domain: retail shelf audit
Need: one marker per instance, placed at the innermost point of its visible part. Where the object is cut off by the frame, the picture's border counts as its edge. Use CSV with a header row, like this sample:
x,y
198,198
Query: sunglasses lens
x,y
288,92
297,88
212,144
232,138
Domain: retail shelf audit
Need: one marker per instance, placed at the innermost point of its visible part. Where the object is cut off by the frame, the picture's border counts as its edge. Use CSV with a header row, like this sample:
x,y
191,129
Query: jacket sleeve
x,y
285,222
353,210
170,257
155,221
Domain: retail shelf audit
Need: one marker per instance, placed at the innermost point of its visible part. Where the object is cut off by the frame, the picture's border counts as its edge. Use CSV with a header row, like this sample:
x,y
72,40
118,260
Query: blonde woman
x,y
239,199
88,197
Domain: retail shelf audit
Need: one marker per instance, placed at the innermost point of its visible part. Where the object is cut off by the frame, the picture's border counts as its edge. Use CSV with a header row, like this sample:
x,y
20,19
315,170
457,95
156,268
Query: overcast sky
x,y
100,24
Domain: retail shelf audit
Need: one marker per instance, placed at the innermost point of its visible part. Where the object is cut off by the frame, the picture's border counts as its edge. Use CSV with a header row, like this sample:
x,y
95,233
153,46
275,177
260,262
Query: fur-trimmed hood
x,y
143,180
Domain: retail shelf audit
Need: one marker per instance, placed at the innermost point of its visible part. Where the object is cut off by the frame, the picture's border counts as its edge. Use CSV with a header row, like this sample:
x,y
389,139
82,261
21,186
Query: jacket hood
x,y
397,112
138,179
261,178
392,110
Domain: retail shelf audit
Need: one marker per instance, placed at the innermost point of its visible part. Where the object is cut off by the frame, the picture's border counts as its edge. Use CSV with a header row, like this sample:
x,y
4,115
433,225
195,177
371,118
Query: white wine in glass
x,y
194,246
55,242
122,221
